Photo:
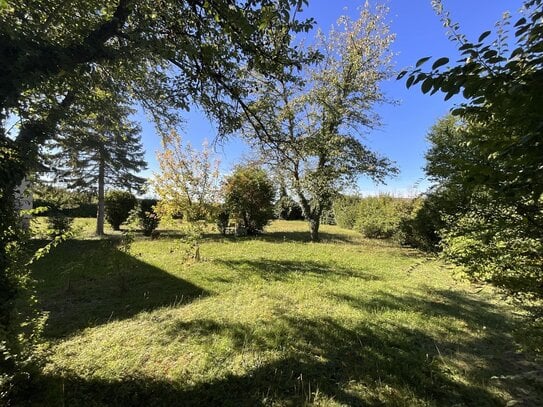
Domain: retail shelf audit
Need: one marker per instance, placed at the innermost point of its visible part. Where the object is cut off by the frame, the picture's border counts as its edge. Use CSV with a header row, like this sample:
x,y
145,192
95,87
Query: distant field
x,y
275,321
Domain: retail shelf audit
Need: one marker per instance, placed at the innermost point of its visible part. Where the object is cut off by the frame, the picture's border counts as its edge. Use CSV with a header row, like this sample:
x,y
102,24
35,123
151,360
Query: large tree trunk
x,y
100,213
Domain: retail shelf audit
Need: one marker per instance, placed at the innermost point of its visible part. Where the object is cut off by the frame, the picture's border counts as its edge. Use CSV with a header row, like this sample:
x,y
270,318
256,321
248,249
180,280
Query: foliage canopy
x,y
249,196
313,123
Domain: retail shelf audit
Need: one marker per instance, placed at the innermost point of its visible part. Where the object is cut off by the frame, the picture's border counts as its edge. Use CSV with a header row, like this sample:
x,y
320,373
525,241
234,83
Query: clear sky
x,y
402,138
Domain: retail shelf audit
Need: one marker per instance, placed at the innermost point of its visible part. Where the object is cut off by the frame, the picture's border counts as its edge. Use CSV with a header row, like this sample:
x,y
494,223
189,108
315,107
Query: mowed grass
x,y
273,320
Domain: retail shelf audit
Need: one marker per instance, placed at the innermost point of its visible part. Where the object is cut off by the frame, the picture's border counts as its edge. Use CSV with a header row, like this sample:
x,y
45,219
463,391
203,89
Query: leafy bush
x,y
346,211
118,207
147,217
73,204
377,217
59,224
493,243
421,227
21,333
147,205
57,202
249,194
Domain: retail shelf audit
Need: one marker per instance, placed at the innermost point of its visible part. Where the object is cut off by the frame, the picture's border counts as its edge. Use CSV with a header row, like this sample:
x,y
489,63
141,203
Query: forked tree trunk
x,y
100,213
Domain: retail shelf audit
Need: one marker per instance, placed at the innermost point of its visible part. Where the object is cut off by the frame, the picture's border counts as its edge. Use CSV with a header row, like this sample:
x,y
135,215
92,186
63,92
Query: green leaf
x,y
422,61
490,54
401,75
409,81
440,62
449,95
421,76
427,85
520,22
457,112
484,35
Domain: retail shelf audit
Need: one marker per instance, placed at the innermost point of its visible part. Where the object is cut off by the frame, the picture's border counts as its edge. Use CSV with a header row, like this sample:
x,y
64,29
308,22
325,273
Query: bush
x,y
79,210
493,243
118,207
72,204
249,194
377,217
346,211
421,228
328,217
147,217
59,224
82,210
59,202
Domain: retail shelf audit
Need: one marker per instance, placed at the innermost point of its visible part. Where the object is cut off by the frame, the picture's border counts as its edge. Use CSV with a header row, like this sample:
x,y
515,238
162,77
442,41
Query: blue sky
x,y
402,138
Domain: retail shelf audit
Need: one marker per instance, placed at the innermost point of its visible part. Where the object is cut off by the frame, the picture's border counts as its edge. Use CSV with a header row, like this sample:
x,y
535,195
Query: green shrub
x,y
147,217
328,217
421,227
493,243
249,194
118,207
79,210
345,211
59,224
59,202
82,210
377,217
73,204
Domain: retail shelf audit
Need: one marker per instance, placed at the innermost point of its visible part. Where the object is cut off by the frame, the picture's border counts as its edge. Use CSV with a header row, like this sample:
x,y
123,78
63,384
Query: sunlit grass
x,y
271,320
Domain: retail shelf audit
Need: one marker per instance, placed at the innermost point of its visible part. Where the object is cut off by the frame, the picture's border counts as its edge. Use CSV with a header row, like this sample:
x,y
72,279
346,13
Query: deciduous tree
x,y
188,183
492,155
314,123
165,54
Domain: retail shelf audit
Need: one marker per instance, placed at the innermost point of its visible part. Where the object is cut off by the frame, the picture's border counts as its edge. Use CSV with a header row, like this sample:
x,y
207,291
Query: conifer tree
x,y
99,150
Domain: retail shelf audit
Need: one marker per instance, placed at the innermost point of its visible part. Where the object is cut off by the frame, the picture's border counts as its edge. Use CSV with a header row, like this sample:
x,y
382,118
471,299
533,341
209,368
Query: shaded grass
x,y
273,320
95,283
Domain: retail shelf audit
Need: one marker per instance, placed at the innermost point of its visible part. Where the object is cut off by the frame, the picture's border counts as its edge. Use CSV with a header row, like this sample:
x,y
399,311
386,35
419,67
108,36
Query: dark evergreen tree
x,y
99,150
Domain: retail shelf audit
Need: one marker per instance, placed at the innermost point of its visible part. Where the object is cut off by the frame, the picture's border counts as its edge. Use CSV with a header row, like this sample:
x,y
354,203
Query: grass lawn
x,y
273,320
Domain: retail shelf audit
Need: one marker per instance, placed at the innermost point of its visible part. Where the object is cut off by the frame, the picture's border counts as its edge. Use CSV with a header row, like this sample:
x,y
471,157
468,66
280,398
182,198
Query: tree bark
x,y
314,225
100,213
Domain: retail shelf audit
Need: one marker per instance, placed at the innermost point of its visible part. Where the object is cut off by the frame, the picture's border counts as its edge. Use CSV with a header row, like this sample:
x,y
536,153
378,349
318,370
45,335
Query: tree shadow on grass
x,y
85,283
270,237
283,270
323,359
325,237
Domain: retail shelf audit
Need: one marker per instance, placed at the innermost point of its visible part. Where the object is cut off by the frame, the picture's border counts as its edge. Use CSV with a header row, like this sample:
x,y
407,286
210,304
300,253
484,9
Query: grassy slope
x,y
272,321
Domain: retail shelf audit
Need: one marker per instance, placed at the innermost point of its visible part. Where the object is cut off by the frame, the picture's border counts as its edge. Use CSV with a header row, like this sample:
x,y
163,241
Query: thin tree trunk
x,y
100,214
312,216
314,225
